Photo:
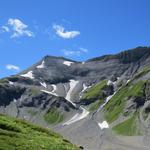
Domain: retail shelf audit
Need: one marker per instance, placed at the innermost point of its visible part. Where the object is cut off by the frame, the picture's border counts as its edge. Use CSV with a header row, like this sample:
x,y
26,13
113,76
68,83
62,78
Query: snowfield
x,y
68,63
77,117
41,66
72,85
28,75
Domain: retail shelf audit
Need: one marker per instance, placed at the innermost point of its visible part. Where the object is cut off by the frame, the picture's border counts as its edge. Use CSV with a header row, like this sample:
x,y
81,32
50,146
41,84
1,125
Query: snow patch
x,y
42,65
68,63
77,117
48,92
28,75
84,89
54,88
128,81
53,92
103,125
11,83
118,78
83,62
43,84
109,82
15,101
106,101
72,84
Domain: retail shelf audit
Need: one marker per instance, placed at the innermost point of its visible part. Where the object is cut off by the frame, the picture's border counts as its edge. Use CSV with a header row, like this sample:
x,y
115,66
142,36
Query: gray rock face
x,y
8,93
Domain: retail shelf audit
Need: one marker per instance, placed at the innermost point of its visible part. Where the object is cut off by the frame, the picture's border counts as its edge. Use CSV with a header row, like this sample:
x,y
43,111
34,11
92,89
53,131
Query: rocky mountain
x,y
100,104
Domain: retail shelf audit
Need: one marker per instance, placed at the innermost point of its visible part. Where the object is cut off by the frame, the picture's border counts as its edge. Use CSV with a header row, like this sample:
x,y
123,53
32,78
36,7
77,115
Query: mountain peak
x,y
49,57
126,56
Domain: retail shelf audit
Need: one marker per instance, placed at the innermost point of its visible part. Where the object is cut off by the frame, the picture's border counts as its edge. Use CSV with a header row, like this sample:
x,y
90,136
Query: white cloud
x,y
19,28
12,67
4,29
71,52
83,50
74,52
60,31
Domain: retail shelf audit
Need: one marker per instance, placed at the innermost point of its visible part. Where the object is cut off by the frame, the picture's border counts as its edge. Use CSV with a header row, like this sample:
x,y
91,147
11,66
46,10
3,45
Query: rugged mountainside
x,y
91,103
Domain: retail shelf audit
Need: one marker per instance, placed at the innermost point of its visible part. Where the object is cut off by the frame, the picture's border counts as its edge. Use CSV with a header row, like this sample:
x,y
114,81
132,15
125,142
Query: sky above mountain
x,y
76,29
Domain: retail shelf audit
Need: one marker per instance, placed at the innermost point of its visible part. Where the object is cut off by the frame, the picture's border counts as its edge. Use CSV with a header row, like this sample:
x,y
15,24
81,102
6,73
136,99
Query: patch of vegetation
x,y
145,115
34,91
116,105
53,116
20,135
94,106
94,93
142,72
3,81
128,127
32,112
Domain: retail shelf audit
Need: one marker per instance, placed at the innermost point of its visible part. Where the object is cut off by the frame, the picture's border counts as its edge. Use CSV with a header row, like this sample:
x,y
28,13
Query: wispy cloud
x,y
19,28
83,50
4,29
71,52
61,32
78,52
12,67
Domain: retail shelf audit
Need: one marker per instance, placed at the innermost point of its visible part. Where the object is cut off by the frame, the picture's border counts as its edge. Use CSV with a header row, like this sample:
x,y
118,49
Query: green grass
x,y
116,105
32,112
94,106
34,91
142,72
128,127
145,115
3,81
53,116
20,135
95,92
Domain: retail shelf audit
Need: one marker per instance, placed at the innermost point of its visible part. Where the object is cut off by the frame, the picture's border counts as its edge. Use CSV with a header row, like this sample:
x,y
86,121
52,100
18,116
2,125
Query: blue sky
x,y
77,29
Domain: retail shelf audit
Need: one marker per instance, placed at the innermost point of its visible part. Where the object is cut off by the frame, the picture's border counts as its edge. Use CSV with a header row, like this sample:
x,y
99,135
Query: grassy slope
x,y
116,105
142,72
94,106
128,127
53,116
95,91
19,135
94,95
